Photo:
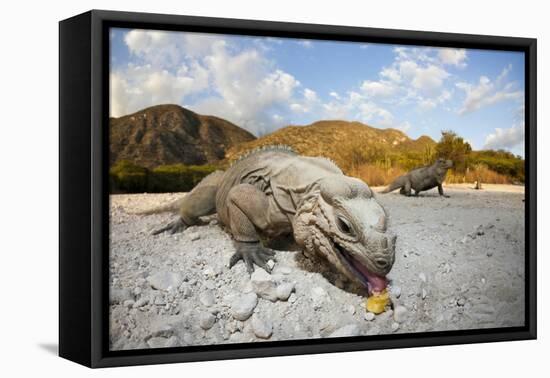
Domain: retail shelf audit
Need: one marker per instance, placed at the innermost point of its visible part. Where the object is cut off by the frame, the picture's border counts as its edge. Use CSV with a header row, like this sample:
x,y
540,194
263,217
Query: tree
x,y
453,147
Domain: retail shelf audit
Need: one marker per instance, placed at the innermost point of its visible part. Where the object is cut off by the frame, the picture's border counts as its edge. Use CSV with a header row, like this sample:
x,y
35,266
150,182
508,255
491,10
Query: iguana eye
x,y
344,226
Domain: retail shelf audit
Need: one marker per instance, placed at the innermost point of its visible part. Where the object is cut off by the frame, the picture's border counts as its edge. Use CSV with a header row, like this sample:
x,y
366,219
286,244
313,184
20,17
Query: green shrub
x,y
126,176
177,177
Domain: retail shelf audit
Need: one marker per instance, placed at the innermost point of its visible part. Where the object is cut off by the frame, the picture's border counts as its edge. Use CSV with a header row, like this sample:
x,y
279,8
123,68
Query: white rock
x,y
422,277
207,298
292,298
264,285
284,270
284,290
400,314
162,342
424,293
141,302
120,295
194,236
243,306
396,291
270,264
346,331
394,326
206,320
369,316
262,328
319,296
165,280
351,309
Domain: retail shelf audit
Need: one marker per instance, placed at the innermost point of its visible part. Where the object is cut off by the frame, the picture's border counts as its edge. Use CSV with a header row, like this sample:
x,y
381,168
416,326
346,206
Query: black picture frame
x,y
83,182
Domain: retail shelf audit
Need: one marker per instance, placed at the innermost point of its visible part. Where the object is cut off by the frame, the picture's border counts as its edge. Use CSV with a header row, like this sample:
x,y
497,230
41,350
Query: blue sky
x,y
262,84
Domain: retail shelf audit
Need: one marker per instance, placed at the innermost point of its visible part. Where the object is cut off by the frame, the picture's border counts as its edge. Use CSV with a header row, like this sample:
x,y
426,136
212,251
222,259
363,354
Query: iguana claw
x,y
252,253
173,227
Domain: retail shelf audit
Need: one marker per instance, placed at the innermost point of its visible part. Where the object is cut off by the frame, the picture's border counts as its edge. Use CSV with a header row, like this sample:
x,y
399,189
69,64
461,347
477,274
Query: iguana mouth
x,y
372,281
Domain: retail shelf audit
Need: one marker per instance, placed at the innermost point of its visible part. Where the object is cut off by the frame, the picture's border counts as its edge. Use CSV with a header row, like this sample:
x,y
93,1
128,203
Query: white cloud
x,y
415,76
382,88
334,94
431,103
486,93
508,139
137,87
306,43
428,79
454,57
227,80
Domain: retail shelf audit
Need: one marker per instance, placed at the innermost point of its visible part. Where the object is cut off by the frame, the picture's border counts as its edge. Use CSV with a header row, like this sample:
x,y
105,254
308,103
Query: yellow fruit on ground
x,y
377,302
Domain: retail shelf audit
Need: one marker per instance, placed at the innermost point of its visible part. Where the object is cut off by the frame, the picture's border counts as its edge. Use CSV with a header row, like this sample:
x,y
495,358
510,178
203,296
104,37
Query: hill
x,y
349,144
170,134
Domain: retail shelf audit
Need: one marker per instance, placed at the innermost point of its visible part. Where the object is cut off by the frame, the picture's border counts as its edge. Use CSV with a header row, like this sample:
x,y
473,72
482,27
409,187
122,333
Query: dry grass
x,y
478,173
375,175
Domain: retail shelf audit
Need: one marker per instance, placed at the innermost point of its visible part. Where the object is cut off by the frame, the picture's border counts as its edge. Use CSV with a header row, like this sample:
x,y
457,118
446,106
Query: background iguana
x,y
422,179
273,191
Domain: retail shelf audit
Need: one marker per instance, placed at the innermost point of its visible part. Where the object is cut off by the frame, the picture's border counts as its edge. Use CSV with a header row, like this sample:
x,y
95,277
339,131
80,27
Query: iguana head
x,y
443,164
345,224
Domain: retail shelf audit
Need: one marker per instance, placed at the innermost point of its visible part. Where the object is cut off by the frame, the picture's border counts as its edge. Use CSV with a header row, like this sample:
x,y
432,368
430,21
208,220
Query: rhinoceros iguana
x,y
274,191
422,179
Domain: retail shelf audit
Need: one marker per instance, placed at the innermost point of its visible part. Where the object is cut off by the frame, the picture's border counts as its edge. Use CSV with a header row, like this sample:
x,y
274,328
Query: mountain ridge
x,y
171,134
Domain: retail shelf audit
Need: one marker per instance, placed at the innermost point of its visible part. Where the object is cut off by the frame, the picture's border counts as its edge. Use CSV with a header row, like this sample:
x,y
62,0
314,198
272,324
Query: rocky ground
x,y
459,265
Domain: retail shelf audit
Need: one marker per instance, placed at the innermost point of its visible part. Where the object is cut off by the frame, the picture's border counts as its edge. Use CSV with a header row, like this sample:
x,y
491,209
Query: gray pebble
x,y
369,316
165,280
394,326
284,290
400,314
347,331
424,293
162,342
194,236
262,328
141,302
243,306
206,320
207,298
396,291
120,295
264,285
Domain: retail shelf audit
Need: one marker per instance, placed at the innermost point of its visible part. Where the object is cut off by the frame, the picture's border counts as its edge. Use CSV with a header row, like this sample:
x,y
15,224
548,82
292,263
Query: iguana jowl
x,y
274,191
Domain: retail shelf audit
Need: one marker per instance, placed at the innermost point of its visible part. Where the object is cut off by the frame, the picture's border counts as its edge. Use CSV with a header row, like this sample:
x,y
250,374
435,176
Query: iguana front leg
x,y
406,189
441,193
247,211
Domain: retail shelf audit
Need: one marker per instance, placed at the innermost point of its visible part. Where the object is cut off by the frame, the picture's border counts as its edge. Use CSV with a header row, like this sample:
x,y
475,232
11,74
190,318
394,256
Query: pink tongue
x,y
376,283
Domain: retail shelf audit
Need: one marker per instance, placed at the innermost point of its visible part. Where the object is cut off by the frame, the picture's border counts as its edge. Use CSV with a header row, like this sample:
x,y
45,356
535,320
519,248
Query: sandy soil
x,y
459,265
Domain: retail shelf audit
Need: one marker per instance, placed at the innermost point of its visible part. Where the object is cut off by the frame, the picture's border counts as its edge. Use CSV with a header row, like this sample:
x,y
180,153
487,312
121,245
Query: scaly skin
x,y
273,191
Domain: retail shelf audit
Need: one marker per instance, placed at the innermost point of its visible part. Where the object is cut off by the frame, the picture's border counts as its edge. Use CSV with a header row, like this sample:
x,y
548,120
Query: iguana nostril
x,y
382,263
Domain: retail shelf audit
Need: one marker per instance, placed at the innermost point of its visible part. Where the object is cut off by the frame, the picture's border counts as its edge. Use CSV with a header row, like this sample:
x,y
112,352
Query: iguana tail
x,y
171,207
396,184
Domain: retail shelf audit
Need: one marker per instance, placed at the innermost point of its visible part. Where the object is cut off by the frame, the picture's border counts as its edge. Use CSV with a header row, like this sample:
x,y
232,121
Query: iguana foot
x,y
173,227
252,253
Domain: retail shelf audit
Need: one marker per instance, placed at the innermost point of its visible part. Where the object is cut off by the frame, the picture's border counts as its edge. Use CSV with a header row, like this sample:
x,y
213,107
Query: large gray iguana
x,y
422,179
273,191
